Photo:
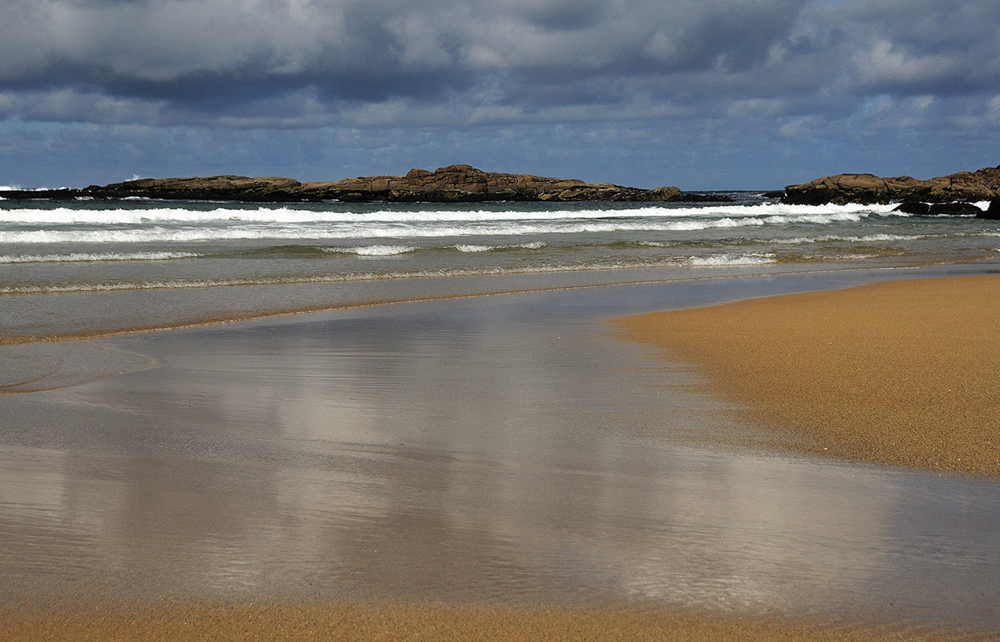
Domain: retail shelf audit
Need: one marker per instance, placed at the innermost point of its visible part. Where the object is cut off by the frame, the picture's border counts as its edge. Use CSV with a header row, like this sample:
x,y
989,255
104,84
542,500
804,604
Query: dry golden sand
x,y
335,622
903,372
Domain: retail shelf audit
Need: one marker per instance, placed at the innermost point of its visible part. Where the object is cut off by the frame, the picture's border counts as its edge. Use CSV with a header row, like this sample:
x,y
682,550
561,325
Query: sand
x,y
446,623
902,373
905,373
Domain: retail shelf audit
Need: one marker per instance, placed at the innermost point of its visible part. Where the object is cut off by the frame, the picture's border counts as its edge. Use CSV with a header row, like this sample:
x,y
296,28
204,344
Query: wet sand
x,y
905,373
478,463
445,623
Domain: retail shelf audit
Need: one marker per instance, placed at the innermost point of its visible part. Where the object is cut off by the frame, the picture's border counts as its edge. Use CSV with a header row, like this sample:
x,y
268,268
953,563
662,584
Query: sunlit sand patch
x,y
901,373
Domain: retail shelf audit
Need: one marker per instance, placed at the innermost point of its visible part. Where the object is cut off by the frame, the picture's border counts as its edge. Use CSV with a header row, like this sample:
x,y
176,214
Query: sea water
x,y
186,262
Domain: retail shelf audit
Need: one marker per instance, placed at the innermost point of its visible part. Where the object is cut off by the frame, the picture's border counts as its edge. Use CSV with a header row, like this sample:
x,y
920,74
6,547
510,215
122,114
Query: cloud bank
x,y
811,71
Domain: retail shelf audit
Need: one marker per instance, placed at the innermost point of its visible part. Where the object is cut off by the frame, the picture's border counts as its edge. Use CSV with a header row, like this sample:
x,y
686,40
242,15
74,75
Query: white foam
x,y
537,245
372,250
384,250
81,257
285,215
726,260
151,233
870,238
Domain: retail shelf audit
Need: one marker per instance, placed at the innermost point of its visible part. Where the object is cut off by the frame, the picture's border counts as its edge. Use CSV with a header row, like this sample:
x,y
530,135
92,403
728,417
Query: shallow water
x,y
84,267
501,448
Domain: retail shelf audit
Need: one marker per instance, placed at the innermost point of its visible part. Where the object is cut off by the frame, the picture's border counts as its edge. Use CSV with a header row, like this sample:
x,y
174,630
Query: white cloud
x,y
798,127
888,64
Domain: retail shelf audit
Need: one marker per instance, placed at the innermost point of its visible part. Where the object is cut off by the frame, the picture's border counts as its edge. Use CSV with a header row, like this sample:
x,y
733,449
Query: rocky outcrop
x,y
958,208
981,185
455,183
464,183
913,207
992,212
221,188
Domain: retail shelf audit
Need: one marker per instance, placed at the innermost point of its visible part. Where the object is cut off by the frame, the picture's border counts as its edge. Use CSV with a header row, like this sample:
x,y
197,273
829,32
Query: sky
x,y
701,94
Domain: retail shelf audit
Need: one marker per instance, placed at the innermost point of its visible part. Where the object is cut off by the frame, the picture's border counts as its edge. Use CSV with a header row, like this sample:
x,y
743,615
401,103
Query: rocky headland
x,y
452,184
954,194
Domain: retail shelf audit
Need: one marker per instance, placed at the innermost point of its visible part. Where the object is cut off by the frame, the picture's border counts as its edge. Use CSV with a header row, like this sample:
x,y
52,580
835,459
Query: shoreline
x,y
356,295
347,295
898,372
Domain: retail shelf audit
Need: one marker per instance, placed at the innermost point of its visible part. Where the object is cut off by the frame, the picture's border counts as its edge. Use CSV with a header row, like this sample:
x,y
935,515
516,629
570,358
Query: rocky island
x,y
952,194
452,184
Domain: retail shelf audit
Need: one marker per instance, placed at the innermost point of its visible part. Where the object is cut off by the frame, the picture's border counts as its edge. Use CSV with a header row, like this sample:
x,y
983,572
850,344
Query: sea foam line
x,y
472,249
229,215
363,230
79,257
372,250
725,260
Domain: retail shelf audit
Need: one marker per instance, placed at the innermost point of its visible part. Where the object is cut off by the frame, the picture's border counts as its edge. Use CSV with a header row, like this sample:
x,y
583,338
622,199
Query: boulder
x,y
960,208
992,212
913,207
983,184
954,209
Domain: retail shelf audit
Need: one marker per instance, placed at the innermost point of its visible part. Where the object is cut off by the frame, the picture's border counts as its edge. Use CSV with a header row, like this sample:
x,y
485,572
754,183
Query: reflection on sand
x,y
33,367
463,451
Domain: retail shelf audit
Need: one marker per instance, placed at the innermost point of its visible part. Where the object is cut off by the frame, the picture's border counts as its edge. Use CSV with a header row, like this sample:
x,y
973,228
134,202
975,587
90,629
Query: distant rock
x,y
211,188
959,208
913,207
981,185
703,197
954,209
464,183
455,183
992,212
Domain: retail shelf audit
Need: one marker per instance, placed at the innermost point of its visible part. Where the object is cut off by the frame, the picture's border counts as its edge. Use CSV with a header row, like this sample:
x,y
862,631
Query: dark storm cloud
x,y
938,46
207,54
826,73
200,59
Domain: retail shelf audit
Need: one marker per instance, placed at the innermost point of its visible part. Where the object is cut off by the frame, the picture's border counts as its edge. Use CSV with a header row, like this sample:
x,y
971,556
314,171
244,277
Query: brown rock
x,y
982,184
464,183
455,183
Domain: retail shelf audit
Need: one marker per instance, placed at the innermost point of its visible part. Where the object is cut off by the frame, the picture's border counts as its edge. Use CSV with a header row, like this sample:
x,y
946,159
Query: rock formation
x,y
981,185
464,183
992,212
455,183
221,188
958,208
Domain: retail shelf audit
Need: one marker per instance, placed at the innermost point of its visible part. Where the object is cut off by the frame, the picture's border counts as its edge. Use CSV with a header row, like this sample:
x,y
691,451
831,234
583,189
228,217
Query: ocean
x,y
175,263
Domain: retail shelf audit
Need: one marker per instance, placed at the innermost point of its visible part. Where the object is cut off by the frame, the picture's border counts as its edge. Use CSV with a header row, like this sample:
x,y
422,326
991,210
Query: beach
x,y
455,466
383,421
901,373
